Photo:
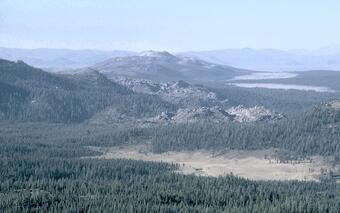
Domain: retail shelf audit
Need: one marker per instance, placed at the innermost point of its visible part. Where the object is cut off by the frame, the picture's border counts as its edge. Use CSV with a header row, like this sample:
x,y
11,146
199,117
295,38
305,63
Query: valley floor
x,y
254,165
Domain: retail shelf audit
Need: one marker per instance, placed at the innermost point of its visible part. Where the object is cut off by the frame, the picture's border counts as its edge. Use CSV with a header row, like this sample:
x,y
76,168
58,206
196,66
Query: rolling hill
x,y
30,94
163,66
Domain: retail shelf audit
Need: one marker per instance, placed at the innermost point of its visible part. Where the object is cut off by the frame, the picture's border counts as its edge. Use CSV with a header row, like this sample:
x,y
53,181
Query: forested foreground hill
x,y
30,94
42,170
135,186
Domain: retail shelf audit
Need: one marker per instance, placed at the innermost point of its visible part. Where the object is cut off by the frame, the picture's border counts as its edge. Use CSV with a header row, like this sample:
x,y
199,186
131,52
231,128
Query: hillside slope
x,y
30,94
163,66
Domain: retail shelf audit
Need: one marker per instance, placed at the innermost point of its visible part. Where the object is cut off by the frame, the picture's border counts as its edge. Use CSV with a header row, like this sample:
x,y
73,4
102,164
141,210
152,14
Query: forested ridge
x,y
291,103
315,132
30,94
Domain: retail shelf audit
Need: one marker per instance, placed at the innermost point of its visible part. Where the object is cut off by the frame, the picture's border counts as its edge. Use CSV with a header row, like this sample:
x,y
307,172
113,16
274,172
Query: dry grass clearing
x,y
255,165
335,104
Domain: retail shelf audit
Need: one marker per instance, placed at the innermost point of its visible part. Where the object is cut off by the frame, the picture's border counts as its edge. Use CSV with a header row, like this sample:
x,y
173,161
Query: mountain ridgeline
x,y
59,59
326,58
163,66
30,94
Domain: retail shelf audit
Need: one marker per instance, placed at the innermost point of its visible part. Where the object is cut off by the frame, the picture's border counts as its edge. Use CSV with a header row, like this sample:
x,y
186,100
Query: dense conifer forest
x,y
47,171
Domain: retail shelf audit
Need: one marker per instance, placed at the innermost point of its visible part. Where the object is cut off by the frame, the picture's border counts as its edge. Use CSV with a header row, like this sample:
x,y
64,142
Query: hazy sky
x,y
174,25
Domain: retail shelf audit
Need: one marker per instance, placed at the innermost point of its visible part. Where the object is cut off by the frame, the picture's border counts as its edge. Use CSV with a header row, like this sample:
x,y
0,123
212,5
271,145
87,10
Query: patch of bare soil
x,y
335,104
254,165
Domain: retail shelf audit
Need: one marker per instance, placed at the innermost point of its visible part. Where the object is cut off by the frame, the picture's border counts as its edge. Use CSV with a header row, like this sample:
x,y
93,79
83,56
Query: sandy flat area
x,y
265,76
283,86
335,104
255,165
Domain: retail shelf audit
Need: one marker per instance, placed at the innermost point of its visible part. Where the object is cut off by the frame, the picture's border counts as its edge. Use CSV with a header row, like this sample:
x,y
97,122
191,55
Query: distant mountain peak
x,y
156,54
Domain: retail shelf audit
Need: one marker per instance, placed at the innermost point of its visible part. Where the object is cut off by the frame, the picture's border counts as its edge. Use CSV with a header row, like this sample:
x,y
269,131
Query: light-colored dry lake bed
x,y
254,165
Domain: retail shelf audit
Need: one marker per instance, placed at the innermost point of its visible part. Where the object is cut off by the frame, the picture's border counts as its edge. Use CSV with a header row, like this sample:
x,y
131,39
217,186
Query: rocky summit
x,y
216,114
174,91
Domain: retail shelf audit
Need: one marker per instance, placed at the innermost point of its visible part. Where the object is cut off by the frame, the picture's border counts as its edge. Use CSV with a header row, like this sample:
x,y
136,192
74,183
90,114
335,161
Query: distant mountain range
x,y
327,58
59,59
